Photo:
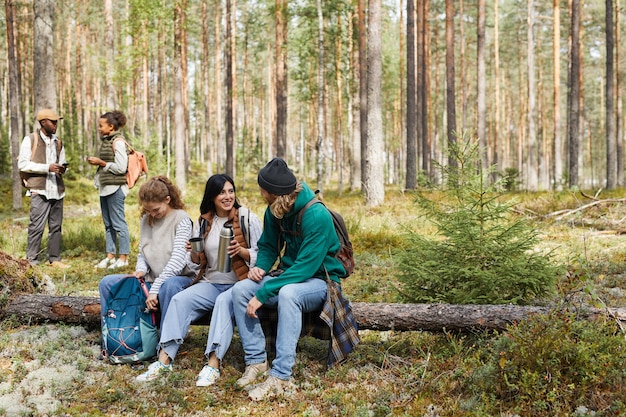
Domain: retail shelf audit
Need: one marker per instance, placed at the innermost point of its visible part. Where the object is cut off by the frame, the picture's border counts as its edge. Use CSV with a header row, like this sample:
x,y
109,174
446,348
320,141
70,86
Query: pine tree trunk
x,y
281,78
557,151
15,97
363,87
375,181
179,106
37,308
44,79
481,85
611,145
573,95
411,97
450,78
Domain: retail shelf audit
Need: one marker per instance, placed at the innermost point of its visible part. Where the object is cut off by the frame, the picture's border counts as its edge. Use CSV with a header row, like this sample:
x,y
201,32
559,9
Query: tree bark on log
x,y
373,316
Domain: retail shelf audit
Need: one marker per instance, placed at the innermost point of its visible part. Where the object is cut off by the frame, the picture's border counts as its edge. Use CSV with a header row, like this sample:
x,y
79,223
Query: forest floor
x,y
54,369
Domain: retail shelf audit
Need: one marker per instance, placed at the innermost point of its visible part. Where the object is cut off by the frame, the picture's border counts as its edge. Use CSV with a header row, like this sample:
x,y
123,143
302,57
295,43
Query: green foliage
x,y
552,364
510,179
481,253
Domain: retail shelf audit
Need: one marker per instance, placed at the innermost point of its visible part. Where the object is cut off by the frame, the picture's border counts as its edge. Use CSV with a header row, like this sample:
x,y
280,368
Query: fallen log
x,y
35,308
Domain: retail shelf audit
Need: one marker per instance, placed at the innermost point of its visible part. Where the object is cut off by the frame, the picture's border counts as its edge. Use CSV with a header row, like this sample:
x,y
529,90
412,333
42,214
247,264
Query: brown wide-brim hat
x,y
47,114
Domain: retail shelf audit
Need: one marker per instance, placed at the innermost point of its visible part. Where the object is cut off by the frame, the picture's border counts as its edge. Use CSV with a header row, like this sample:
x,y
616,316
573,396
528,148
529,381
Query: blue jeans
x,y
169,288
192,304
114,219
292,300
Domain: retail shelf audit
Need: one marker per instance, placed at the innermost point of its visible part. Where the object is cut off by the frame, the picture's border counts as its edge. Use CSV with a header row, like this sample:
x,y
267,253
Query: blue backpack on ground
x,y
129,329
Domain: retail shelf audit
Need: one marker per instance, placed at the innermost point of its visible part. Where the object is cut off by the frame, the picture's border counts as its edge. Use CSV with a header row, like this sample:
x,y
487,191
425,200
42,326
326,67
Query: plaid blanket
x,y
334,322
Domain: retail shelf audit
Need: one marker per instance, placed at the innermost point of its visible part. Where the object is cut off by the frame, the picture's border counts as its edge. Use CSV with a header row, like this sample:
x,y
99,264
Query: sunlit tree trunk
x,y
374,185
420,86
463,66
532,179
218,134
338,142
497,125
44,80
363,86
203,147
411,96
230,159
557,151
450,76
618,99
355,109
611,145
427,151
281,78
481,86
319,144
400,154
179,106
15,96
109,50
145,127
164,136
573,95
228,67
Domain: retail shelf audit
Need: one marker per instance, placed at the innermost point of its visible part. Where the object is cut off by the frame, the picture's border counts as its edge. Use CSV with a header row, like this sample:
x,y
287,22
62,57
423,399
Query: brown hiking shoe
x,y
251,374
271,387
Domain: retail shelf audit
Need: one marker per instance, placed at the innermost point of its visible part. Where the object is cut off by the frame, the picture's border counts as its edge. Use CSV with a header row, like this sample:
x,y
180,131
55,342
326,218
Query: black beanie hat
x,y
277,178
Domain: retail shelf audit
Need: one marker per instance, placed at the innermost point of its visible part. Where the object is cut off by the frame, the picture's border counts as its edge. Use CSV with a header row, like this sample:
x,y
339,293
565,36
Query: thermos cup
x,y
223,260
197,244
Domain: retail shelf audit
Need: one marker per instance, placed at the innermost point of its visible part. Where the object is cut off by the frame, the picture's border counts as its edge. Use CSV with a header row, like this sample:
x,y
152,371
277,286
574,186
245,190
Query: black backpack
x,y
345,254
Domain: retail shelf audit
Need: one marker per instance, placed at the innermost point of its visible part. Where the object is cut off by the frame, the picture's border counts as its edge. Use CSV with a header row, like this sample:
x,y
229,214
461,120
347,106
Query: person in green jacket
x,y
297,285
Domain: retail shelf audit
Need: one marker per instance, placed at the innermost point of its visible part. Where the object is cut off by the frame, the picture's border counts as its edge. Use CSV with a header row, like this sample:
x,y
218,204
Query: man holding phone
x,y
42,164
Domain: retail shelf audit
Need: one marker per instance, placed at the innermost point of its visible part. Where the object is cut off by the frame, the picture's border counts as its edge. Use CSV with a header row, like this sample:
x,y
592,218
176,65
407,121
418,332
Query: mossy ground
x,y
54,369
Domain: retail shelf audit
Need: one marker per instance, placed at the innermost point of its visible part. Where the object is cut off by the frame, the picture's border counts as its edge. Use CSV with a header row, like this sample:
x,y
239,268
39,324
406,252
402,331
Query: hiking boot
x,y
208,375
59,264
154,370
105,262
271,387
251,373
118,264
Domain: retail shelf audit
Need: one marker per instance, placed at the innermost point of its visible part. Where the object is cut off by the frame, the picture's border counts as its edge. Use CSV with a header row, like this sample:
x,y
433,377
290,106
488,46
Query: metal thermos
x,y
223,260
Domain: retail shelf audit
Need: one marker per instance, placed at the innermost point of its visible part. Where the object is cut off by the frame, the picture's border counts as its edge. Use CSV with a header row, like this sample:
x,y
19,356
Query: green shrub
x,y
481,254
552,364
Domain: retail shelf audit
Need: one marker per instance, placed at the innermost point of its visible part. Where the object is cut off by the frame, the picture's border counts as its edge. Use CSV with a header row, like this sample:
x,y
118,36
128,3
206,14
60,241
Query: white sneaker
x,y
105,262
118,264
208,376
154,370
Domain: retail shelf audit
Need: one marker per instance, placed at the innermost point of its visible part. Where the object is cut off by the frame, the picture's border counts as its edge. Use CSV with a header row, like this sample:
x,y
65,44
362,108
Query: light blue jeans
x,y
114,219
292,300
168,290
192,304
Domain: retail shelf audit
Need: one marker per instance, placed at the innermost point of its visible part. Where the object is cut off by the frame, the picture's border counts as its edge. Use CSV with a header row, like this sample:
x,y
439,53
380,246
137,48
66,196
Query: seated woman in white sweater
x,y
163,258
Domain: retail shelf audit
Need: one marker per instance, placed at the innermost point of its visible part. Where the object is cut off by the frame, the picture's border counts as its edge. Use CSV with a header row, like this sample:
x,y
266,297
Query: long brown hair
x,y
156,190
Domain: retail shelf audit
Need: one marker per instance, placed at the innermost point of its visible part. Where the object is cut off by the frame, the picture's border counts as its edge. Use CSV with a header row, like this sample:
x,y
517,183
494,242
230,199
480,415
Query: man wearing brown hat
x,y
42,164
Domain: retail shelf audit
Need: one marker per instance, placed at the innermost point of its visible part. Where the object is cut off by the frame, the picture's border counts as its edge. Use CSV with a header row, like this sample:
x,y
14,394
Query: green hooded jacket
x,y
305,256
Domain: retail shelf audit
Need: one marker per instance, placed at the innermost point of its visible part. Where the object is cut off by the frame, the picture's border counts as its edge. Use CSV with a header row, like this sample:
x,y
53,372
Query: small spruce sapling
x,y
482,252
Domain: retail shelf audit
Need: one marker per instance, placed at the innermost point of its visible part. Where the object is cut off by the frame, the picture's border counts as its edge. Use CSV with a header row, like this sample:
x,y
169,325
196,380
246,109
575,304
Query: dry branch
x,y
373,316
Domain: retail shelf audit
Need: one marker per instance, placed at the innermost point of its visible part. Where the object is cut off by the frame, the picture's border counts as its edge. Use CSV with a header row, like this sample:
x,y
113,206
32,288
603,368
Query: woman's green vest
x,y
108,155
